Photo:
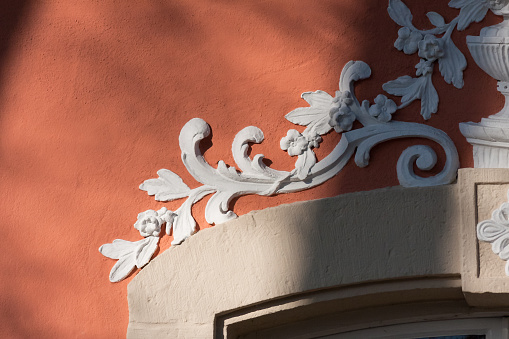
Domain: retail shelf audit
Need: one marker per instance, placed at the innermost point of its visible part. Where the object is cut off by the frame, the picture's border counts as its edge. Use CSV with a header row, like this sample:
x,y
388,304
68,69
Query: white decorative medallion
x,y
496,232
324,114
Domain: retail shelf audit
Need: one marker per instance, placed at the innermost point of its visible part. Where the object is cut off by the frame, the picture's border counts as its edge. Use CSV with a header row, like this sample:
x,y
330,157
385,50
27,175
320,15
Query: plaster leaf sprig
x,y
167,187
431,49
253,176
411,89
129,255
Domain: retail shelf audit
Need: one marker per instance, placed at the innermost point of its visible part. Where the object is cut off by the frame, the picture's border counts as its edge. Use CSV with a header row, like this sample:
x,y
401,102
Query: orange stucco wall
x,y
93,95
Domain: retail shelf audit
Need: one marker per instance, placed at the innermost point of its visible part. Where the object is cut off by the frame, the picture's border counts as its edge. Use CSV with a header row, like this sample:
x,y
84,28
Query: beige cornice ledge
x,y
332,265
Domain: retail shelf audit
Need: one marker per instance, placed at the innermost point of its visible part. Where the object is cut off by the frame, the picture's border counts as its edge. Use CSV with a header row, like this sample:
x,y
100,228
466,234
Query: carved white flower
x,y
431,48
294,142
424,67
383,108
496,232
149,222
314,140
407,40
341,115
342,98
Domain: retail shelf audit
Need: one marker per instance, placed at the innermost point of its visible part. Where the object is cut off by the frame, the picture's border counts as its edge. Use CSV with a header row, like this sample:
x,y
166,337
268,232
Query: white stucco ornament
x,y
431,49
490,137
496,232
252,176
338,112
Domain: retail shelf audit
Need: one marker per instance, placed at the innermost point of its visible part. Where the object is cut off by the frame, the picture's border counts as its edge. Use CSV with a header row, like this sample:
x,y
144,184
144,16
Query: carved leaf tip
x,y
353,71
470,11
452,64
129,255
436,19
183,226
400,13
169,186
124,266
145,250
304,164
117,248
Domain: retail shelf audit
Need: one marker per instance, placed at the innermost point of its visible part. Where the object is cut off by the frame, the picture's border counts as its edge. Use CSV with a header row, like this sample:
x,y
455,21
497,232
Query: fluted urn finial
x,y
490,50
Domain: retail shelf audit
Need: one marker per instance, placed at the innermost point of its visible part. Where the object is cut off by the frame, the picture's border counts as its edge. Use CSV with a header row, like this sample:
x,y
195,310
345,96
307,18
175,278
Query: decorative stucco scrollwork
x,y
324,114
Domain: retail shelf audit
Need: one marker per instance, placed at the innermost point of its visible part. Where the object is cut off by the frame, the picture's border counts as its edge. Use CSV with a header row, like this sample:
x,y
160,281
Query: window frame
x,y
492,328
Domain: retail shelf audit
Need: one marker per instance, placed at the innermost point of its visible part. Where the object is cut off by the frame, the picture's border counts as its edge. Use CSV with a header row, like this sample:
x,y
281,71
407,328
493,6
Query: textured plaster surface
x,y
93,95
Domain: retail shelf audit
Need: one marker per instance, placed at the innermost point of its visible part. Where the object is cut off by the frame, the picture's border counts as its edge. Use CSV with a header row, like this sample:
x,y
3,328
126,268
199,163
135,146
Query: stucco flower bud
x,y
294,142
314,140
383,108
341,118
424,67
407,40
149,223
166,215
431,48
343,97
341,115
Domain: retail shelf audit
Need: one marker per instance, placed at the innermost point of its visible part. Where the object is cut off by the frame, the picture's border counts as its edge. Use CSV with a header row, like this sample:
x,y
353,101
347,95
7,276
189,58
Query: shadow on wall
x,y
15,312
16,318
12,13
